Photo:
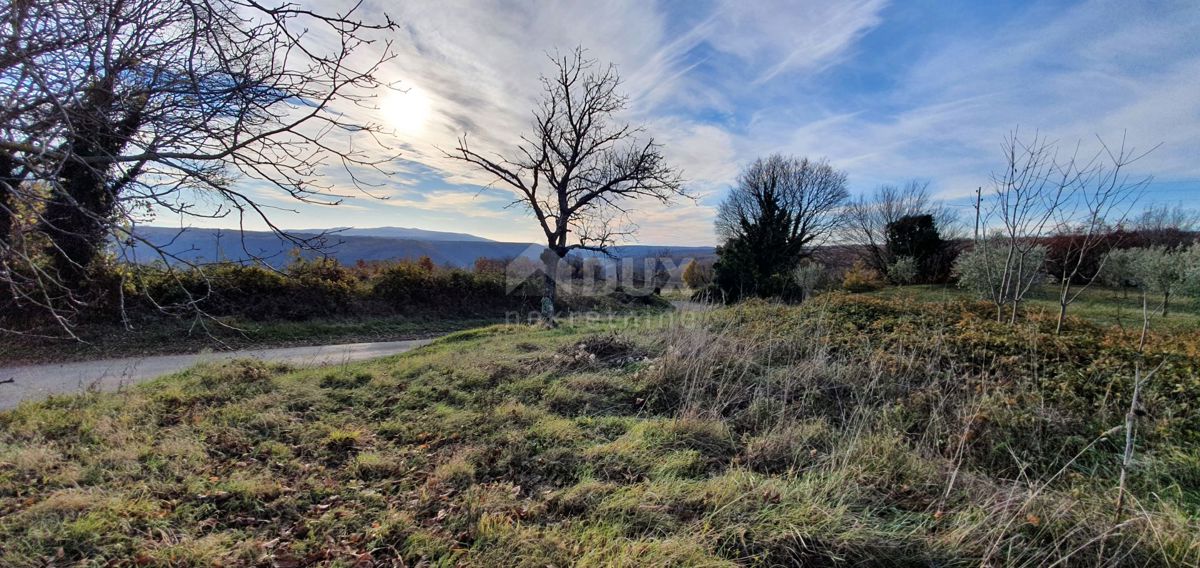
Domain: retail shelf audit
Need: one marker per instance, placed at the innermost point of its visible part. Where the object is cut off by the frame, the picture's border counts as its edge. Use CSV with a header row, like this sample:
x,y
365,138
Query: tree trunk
x,y
1145,322
548,297
1166,303
75,221
1064,298
550,259
83,203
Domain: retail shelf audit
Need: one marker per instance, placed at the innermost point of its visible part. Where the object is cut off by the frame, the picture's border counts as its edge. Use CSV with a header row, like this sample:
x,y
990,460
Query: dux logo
x,y
587,273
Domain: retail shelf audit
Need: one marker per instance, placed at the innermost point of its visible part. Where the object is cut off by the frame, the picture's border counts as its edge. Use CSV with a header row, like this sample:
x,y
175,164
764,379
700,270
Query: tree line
x,y
117,109
1068,224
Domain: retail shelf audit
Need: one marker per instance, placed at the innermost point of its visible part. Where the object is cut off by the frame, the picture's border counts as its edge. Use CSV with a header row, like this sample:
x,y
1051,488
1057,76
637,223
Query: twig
x,y
1130,422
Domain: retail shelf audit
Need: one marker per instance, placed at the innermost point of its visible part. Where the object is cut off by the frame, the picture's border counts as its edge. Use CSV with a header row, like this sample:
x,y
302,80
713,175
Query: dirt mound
x,y
610,350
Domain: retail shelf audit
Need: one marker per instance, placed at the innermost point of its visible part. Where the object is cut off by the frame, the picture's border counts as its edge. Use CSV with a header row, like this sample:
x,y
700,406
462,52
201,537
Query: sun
x,y
407,111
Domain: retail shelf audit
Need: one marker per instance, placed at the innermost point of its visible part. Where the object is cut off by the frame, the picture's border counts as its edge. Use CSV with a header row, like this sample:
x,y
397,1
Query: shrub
x,y
407,285
903,271
697,275
1118,271
811,276
304,289
1191,270
859,278
489,266
981,270
323,286
1069,249
1161,271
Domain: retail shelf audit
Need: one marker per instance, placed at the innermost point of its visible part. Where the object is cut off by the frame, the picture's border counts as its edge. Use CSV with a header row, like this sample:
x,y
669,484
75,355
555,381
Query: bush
x,y
305,289
1161,271
1066,251
407,284
489,266
1191,271
309,288
811,276
903,271
697,275
1118,271
981,269
859,278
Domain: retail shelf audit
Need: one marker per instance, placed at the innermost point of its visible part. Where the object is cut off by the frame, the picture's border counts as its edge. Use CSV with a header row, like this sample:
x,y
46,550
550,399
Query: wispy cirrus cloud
x,y
887,91
1106,69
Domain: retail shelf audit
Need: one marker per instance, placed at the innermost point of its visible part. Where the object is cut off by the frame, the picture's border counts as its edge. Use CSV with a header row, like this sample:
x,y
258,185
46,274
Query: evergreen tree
x,y
759,260
917,237
778,209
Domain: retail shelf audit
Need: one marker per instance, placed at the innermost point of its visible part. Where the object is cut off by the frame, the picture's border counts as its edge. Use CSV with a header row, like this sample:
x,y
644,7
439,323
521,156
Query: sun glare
x,y
407,111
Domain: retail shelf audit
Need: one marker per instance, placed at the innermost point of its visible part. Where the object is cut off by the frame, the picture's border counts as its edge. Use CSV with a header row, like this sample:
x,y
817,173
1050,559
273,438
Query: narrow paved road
x,y
31,382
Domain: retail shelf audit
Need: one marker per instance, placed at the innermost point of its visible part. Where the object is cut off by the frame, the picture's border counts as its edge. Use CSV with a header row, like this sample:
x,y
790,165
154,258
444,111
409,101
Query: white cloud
x,y
729,80
476,64
781,36
1097,69
484,204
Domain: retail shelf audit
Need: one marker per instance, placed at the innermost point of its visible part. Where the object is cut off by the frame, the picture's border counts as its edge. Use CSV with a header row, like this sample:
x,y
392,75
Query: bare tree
x,y
1103,195
810,192
579,169
114,109
1165,225
1015,217
868,217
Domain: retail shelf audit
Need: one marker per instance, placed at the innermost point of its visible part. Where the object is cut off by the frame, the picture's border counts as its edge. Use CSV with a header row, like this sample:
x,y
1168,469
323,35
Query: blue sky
x,y
887,91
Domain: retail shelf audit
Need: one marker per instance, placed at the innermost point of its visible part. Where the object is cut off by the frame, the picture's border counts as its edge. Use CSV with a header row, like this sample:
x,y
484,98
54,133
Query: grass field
x,y
1103,306
852,430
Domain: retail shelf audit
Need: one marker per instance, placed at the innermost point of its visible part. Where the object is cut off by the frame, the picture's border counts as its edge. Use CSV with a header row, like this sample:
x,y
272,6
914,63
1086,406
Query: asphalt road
x,y
33,382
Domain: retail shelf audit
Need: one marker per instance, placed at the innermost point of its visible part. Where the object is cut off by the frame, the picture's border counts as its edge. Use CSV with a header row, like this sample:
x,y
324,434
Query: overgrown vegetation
x,y
152,309
850,430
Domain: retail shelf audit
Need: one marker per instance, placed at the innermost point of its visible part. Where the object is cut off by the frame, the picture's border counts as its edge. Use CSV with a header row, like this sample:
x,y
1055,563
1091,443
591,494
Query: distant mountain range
x,y
348,246
398,233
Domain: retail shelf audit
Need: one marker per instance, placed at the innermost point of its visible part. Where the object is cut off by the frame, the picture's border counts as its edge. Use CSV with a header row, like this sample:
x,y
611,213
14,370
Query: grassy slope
x,y
848,431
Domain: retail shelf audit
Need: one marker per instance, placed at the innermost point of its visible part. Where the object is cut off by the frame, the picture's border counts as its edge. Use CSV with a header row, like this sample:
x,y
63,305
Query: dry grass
x,y
851,431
